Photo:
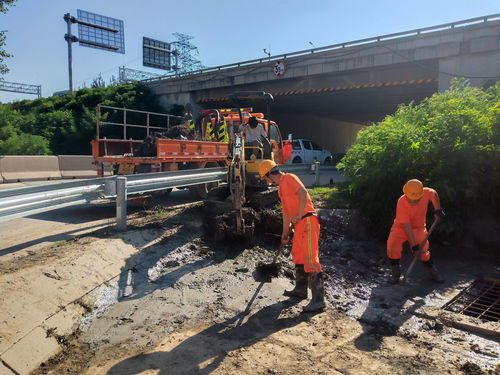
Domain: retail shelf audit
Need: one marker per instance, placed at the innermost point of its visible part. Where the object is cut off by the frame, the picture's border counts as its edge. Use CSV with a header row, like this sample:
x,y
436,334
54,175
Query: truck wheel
x,y
297,160
201,191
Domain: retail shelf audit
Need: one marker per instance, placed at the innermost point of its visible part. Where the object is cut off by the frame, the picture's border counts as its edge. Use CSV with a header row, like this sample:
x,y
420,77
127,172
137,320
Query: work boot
x,y
436,277
300,290
318,293
396,272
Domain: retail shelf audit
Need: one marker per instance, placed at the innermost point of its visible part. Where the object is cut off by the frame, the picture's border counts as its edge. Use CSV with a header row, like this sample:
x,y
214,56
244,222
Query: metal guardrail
x,y
31,200
147,182
339,46
25,201
305,167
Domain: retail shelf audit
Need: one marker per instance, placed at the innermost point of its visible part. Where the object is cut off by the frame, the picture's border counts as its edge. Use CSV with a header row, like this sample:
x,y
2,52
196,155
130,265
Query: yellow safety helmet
x,y
413,189
265,167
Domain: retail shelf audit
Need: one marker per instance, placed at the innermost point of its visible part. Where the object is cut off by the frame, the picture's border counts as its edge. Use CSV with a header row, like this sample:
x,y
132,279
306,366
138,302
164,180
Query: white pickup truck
x,y
306,151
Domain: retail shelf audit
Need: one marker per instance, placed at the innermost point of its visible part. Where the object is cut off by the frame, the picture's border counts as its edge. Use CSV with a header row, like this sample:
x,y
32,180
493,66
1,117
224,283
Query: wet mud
x,y
191,303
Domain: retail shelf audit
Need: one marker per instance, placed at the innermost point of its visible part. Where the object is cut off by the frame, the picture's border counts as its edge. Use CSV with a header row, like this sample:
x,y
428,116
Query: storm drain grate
x,y
480,300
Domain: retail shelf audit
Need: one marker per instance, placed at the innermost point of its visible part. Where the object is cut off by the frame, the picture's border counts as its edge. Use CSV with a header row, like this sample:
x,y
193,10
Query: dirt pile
x,y
180,132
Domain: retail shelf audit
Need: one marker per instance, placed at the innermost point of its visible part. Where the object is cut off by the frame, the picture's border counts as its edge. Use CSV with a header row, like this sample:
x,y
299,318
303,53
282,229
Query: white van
x,y
306,151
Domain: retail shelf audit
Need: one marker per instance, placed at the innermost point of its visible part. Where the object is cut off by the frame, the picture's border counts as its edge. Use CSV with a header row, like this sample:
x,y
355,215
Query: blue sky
x,y
224,31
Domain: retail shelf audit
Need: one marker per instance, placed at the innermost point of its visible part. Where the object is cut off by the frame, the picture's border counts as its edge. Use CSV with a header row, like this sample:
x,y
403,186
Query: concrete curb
x,y
33,349
5,370
32,317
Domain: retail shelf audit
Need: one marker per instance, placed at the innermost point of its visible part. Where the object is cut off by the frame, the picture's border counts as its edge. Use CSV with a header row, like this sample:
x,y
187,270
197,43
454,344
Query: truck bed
x,y
167,150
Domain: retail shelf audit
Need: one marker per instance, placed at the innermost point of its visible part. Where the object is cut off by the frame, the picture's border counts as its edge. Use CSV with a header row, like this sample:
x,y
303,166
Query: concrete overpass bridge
x,y
329,93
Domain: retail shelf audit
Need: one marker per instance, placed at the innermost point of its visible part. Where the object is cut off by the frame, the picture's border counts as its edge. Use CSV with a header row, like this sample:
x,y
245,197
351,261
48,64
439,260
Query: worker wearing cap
x,y
410,226
299,211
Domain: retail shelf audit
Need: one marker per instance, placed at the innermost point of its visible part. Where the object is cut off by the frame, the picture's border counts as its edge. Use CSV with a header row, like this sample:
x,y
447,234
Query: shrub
x,y
450,142
24,144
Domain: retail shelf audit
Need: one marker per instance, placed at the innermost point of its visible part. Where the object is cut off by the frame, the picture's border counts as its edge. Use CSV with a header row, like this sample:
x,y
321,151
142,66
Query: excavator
x,y
244,187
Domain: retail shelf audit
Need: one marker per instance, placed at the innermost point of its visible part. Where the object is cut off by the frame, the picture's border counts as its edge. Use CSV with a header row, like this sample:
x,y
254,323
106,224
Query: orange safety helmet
x,y
413,189
266,166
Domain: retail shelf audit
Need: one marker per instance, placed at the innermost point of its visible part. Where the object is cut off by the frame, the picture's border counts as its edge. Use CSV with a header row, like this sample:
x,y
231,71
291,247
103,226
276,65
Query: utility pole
x,y
70,39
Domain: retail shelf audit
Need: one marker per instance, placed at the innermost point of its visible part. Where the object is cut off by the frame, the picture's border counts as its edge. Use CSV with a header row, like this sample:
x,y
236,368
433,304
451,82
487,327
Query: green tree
x,y
69,122
4,6
24,144
450,142
12,139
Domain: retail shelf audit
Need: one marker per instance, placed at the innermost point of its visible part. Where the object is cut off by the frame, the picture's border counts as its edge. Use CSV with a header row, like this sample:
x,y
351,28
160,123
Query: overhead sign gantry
x,y
94,31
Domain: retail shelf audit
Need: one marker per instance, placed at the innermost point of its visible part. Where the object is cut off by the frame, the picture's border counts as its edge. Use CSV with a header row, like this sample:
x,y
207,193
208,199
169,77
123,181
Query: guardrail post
x,y
121,203
316,172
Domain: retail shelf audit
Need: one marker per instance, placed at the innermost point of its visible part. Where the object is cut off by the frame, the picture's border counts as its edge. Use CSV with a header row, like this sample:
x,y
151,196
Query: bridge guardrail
x,y
339,46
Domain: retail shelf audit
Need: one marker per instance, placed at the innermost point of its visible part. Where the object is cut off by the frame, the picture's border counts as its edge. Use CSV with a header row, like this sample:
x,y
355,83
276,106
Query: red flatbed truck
x,y
166,154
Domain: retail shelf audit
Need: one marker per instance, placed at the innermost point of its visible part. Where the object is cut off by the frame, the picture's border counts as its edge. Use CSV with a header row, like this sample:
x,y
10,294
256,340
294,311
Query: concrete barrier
x,y
15,168
77,166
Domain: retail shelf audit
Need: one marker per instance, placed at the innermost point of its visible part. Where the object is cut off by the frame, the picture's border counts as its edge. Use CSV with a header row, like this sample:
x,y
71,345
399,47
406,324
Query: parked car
x,y
306,151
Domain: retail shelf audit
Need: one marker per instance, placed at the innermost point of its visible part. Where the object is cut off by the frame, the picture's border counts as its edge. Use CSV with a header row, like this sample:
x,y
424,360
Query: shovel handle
x,y
278,252
421,245
281,247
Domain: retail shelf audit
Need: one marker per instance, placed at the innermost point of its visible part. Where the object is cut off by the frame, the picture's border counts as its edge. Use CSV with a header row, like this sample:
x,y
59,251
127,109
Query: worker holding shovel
x,y
299,211
410,226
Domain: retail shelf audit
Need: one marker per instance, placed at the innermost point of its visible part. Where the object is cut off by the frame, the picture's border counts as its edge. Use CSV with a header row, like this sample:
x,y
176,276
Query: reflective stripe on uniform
x,y
309,243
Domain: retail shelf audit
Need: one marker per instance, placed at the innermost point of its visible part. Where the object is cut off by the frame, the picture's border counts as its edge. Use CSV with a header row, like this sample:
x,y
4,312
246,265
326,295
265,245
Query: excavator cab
x,y
234,204
245,187
268,147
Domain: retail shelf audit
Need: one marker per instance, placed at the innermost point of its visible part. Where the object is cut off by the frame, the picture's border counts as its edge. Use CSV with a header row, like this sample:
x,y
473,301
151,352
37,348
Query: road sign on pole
x,y
156,54
94,31
97,31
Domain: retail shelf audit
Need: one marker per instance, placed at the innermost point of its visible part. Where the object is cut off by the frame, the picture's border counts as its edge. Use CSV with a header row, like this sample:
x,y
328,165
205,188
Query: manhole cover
x,y
480,300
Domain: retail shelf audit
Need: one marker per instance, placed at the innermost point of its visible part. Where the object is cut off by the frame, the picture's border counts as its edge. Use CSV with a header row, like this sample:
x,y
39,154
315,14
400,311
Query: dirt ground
x,y
184,304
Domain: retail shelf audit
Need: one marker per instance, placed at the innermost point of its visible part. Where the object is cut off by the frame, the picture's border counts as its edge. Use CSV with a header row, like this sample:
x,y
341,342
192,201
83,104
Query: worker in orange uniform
x,y
299,211
410,226
287,151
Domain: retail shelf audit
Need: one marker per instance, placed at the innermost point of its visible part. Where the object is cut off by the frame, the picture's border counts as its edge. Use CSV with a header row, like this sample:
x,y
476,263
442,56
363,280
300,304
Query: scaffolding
x,y
186,54
127,75
21,87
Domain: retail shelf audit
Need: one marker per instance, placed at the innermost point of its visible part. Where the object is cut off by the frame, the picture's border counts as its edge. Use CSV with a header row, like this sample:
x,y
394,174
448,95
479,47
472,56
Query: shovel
x,y
269,270
422,244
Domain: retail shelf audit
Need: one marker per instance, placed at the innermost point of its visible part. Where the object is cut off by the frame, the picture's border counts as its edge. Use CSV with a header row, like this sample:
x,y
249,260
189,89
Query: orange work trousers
x,y
397,238
305,244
